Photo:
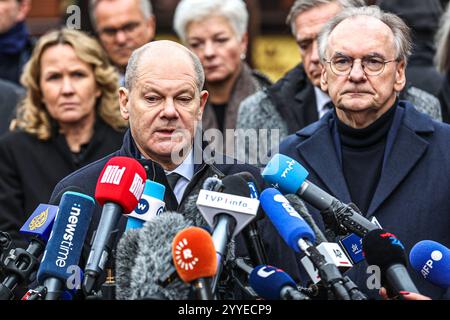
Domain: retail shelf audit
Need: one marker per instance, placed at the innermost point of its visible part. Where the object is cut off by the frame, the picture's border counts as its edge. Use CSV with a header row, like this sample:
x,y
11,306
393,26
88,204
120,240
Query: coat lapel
x,y
318,151
408,149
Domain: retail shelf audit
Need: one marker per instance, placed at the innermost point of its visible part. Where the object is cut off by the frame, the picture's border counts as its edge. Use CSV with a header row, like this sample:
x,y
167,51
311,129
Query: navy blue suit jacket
x,y
412,199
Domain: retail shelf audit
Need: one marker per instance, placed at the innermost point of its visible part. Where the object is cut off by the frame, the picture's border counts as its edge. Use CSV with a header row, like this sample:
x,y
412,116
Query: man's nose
x,y
169,110
357,73
315,52
120,37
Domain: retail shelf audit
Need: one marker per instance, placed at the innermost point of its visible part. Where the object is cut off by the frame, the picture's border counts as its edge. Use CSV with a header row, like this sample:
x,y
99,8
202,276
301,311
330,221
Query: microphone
x,y
271,283
6,244
195,259
289,176
252,239
21,265
332,253
300,207
119,189
126,252
66,241
299,236
150,205
431,260
148,253
228,212
212,184
387,252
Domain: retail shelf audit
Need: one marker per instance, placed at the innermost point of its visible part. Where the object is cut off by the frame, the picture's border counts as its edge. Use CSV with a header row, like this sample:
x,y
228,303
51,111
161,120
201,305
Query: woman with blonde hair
x,y
69,118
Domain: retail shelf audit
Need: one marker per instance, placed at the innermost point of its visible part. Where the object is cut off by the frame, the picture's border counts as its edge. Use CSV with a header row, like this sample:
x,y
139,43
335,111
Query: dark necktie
x,y
172,178
328,106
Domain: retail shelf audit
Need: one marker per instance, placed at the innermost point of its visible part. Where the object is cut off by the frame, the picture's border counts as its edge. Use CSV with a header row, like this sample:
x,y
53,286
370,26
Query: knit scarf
x,y
14,40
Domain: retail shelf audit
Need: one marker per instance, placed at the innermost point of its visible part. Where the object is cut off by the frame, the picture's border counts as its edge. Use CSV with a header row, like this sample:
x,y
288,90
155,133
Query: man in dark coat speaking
x,y
381,154
163,101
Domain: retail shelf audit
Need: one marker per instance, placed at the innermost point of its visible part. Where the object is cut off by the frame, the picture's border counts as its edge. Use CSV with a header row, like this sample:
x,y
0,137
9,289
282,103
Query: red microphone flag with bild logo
x,y
121,181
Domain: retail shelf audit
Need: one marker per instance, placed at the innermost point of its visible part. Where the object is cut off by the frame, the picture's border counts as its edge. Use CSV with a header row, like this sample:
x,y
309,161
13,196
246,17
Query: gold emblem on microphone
x,y
39,220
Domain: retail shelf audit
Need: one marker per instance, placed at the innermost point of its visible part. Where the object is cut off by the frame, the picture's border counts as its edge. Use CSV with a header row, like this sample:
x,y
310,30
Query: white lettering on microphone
x,y
184,257
66,245
265,274
426,269
137,187
113,174
289,168
229,200
287,206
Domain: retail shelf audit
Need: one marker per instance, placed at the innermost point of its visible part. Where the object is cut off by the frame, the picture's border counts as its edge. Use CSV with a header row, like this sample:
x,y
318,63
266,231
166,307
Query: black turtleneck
x,y
362,157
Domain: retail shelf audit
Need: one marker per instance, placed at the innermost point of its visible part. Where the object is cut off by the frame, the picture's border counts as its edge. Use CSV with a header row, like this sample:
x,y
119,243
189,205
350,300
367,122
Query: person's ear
x,y
124,103
244,45
151,27
24,9
203,99
324,79
400,76
98,92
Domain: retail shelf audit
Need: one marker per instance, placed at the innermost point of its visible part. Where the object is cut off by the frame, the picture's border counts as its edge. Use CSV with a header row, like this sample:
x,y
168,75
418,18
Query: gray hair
x,y
133,64
301,6
442,57
187,11
145,5
402,36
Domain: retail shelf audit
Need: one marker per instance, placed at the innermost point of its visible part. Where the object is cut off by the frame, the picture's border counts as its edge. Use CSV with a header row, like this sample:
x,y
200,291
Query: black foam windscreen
x,y
249,178
383,249
235,185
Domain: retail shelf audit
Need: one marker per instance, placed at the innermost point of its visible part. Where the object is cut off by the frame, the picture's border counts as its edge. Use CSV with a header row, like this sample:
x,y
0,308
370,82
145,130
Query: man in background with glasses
x,y
296,100
122,26
373,149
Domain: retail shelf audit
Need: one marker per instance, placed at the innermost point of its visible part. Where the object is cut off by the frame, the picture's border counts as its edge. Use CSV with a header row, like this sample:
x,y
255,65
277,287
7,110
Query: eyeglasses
x,y
109,33
342,65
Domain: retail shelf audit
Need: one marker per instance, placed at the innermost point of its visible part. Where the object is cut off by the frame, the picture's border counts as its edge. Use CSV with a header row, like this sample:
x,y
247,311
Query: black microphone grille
x,y
383,249
235,185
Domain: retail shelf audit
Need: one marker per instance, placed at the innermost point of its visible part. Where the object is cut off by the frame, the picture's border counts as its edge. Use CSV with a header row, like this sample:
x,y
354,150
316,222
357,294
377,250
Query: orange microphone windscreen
x,y
194,254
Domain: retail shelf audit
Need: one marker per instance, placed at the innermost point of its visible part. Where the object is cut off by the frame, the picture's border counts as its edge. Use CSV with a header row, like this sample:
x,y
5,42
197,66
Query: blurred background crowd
x,y
61,63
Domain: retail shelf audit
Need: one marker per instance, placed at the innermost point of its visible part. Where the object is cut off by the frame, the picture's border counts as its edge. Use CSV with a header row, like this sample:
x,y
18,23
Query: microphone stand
x,y
240,265
20,265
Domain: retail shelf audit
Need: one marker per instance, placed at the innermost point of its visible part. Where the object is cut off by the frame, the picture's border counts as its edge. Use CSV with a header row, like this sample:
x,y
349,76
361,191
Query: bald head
x,y
159,52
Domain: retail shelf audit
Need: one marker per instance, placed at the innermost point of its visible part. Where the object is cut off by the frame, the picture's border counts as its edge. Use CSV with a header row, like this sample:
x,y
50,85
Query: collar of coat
x,y
410,145
414,120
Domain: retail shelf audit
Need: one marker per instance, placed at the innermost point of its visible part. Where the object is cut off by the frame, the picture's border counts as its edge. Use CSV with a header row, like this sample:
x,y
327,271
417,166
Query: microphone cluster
x,y
166,255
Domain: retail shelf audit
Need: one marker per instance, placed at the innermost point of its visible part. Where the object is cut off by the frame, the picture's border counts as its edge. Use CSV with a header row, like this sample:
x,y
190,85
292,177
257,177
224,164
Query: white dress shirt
x,y
321,100
186,172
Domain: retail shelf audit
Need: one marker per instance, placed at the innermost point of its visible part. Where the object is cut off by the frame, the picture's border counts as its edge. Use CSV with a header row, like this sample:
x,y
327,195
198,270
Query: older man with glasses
x,y
296,100
122,26
373,149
